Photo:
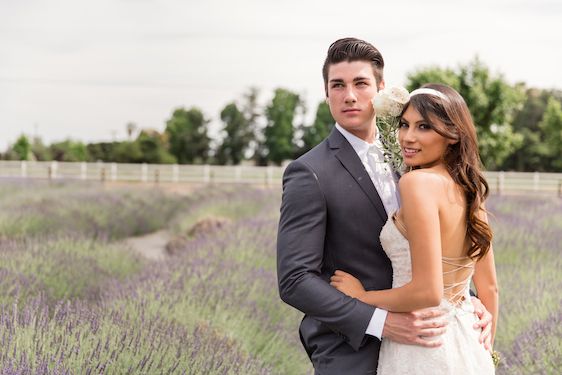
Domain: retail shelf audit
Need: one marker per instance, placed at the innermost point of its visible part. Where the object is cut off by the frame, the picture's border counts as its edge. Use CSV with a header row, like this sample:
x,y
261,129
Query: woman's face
x,y
421,145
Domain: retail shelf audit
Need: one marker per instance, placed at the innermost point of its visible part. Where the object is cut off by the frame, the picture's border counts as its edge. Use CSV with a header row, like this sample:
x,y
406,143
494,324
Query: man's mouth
x,y
348,110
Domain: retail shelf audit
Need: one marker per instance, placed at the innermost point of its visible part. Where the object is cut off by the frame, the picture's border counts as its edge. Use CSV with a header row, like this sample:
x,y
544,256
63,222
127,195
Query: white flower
x,y
388,105
391,101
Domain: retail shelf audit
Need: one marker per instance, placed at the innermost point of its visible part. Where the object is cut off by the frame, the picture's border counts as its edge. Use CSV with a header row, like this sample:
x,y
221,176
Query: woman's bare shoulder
x,y
422,179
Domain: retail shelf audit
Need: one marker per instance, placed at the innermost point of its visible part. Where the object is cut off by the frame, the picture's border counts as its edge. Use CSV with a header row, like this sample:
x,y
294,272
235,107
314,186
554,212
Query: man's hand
x,y
420,327
484,322
347,284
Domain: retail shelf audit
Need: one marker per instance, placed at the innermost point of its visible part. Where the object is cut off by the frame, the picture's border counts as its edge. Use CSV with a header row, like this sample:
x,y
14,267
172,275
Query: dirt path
x,y
151,246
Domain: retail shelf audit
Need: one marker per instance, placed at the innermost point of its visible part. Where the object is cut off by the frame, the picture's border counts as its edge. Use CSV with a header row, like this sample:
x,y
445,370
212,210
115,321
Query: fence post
x,y
501,181
83,170
24,168
144,172
54,166
536,181
269,174
206,173
238,173
175,173
102,174
113,169
559,188
156,176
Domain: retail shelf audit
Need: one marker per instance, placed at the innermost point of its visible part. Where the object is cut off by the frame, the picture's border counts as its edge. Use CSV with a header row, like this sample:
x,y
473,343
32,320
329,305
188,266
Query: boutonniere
x,y
388,105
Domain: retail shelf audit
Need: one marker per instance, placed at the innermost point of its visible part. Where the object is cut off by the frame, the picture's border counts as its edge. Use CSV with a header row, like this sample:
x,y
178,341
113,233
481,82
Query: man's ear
x,y
381,85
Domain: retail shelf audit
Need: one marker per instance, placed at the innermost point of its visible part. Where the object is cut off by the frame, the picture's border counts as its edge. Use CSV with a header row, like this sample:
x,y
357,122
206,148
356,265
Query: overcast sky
x,y
83,69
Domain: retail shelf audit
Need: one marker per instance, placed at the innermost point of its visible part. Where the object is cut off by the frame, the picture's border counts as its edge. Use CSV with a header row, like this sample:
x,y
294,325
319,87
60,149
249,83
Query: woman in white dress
x,y
439,239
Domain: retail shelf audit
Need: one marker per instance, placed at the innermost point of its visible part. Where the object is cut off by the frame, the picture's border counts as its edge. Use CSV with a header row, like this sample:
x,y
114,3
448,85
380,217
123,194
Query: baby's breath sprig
x,y
388,105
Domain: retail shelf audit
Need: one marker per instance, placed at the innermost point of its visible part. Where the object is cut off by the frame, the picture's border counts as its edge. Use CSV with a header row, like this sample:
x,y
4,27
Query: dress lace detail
x,y
461,353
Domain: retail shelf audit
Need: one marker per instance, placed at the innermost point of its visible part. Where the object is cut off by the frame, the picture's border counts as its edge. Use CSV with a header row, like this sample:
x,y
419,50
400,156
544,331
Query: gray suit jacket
x,y
331,218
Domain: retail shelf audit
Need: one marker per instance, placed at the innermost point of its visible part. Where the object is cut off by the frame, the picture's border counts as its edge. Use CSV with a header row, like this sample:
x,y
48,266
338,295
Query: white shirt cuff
x,y
376,324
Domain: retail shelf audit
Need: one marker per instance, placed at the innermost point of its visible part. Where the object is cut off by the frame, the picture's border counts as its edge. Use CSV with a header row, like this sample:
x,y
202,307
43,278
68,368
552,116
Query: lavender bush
x,y
527,247
74,301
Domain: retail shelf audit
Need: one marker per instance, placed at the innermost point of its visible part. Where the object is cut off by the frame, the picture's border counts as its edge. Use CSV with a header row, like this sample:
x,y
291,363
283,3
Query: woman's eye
x,y
402,125
425,126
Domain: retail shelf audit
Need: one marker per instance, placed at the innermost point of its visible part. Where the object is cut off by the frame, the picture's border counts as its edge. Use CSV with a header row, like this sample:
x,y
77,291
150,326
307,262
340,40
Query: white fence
x,y
268,176
152,173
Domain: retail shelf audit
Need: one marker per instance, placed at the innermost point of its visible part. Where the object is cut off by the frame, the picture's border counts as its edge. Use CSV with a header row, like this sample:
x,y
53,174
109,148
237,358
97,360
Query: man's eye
x,y
336,85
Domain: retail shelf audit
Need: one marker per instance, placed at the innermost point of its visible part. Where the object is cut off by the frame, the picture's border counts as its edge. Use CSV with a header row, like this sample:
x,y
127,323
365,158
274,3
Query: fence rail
x,y
244,174
150,173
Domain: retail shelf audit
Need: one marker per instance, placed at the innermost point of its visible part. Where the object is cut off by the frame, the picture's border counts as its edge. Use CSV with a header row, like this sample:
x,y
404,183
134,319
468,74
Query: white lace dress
x,y
461,353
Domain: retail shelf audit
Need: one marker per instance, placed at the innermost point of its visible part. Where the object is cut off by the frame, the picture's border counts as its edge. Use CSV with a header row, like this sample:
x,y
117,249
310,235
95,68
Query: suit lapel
x,y
345,153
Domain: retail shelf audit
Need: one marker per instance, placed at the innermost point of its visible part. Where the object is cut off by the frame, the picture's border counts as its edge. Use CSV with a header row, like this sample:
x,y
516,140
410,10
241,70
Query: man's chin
x,y
353,125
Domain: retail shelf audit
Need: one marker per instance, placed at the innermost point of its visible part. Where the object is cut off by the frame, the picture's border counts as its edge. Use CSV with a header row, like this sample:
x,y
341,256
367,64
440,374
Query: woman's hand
x,y
348,284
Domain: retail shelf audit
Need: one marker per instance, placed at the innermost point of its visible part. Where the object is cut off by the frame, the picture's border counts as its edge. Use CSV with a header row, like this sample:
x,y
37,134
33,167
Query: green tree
x,y
237,135
533,153
280,129
103,151
153,147
187,134
551,125
40,150
126,152
69,150
22,148
252,114
432,74
320,129
491,100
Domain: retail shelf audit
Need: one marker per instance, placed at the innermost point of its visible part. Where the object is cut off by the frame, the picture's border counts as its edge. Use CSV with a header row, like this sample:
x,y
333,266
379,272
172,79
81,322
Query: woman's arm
x,y
420,211
486,284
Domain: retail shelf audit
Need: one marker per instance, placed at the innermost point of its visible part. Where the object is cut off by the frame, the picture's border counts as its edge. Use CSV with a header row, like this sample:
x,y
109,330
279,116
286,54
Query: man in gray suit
x,y
336,199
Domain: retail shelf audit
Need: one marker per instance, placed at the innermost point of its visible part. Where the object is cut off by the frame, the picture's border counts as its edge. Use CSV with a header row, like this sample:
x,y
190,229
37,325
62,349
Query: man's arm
x,y
300,252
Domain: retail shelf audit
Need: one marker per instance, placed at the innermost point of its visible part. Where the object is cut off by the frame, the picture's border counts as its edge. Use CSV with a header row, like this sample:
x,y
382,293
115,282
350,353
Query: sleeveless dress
x,y
460,353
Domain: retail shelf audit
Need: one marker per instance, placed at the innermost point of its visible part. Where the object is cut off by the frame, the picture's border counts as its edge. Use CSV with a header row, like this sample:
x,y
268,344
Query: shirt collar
x,y
360,146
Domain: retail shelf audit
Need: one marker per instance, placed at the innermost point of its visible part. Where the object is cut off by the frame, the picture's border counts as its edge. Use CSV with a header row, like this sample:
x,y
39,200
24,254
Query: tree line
x,y
519,128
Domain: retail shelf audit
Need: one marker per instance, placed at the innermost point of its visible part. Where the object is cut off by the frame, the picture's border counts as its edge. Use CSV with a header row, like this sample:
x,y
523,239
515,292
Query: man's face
x,y
351,87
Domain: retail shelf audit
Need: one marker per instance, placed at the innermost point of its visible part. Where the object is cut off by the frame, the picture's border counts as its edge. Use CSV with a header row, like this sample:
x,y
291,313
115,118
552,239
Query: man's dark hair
x,y
353,49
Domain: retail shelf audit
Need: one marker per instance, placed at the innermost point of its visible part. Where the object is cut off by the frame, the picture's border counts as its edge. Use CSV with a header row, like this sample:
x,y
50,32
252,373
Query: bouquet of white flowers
x,y
388,105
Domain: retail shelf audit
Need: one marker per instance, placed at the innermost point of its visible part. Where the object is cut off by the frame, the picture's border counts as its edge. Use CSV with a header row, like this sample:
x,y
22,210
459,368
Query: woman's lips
x,y
409,152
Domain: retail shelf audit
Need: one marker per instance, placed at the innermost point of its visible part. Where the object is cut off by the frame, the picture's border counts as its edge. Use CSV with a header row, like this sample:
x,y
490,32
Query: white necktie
x,y
383,177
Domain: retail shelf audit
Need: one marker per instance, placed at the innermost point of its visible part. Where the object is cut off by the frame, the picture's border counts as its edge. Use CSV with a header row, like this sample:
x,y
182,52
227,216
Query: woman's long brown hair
x,y
461,159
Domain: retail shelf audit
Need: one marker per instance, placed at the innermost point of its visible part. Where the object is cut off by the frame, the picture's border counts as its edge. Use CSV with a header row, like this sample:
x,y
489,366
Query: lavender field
x,y
74,298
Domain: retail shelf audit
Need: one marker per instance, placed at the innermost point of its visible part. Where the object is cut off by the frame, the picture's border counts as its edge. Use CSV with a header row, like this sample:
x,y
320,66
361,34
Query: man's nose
x,y
350,96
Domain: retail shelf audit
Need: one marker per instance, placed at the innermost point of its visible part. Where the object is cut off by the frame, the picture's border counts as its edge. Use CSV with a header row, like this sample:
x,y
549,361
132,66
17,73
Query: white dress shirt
x,y
372,158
